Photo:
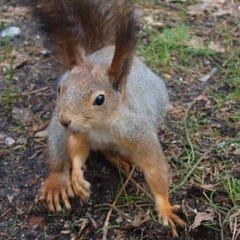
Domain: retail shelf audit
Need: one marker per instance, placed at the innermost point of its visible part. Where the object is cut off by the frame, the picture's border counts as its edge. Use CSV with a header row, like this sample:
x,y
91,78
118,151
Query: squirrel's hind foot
x,y
56,187
167,217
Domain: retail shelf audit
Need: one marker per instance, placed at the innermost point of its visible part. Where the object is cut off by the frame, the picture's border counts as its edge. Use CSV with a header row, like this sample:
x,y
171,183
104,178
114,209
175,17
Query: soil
x,y
24,164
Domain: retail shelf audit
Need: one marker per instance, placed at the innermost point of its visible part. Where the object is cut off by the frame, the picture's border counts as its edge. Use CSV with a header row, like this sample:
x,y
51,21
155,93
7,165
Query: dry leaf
x,y
206,77
216,47
214,2
149,19
196,9
42,133
19,60
196,43
201,97
214,7
233,217
208,215
39,221
137,221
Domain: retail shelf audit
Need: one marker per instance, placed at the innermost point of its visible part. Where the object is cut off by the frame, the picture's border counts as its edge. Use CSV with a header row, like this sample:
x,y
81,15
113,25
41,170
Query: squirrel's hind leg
x,y
117,160
150,158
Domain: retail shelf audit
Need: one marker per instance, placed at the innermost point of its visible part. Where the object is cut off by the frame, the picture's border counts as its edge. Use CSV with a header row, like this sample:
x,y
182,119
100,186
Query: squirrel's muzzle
x,y
64,120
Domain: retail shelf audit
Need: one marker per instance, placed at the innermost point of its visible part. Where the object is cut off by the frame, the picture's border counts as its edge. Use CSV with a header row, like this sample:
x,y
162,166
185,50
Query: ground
x,y
195,46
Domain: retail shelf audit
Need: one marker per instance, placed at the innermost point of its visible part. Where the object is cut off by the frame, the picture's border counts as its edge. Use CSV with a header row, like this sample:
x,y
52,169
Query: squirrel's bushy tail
x,y
77,28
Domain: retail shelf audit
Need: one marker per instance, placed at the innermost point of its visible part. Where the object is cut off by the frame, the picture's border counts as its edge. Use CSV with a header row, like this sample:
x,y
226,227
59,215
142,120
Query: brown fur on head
x,y
87,99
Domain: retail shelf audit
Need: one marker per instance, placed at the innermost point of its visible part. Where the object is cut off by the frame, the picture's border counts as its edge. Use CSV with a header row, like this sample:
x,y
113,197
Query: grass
x,y
162,47
8,94
202,137
178,50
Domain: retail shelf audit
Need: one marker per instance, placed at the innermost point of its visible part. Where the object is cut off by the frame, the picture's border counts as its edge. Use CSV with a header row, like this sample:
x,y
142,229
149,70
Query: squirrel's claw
x,y
65,198
56,187
167,217
81,187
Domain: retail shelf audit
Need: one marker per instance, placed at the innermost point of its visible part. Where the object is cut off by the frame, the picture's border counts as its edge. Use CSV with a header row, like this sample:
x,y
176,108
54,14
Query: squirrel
x,y
108,100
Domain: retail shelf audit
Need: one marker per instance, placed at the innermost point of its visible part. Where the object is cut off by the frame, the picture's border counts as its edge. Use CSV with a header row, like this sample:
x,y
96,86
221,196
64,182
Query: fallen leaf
x,y
214,7
196,9
19,60
214,2
42,134
233,217
196,42
150,20
215,46
39,221
208,215
137,221
206,77
201,97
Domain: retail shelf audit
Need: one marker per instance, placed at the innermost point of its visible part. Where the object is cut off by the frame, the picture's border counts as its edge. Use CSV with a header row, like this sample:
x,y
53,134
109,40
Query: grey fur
x,y
137,119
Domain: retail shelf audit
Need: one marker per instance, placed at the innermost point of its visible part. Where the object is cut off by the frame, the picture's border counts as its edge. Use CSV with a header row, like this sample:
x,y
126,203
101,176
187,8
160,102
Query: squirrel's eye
x,y
99,100
59,90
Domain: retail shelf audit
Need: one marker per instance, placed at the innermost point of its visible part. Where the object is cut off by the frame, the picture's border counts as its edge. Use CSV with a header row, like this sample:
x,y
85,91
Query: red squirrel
x,y
108,100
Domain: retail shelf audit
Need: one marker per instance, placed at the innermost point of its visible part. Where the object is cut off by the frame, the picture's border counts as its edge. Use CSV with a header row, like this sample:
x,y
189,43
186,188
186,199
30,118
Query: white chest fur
x,y
101,139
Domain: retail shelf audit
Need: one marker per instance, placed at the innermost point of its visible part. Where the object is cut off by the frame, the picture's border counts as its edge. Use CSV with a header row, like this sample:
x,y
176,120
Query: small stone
x,y
73,236
2,135
67,225
10,32
45,52
21,141
89,209
119,219
23,115
9,141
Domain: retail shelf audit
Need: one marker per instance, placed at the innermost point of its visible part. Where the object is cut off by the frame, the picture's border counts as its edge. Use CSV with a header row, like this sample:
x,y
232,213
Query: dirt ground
x,y
23,166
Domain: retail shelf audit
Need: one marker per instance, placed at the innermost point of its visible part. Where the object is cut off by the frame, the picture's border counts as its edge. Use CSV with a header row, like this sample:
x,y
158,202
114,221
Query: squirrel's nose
x,y
64,120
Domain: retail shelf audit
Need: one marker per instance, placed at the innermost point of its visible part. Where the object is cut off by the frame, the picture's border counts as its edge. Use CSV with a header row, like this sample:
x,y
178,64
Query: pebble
x,y
23,115
9,141
45,52
67,225
21,141
2,135
10,32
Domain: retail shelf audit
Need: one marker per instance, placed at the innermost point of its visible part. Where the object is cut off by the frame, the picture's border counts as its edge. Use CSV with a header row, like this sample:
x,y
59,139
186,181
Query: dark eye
x,y
99,100
59,90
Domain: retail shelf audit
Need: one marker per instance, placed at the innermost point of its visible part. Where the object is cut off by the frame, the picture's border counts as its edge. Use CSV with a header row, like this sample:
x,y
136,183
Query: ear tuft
x,y
125,42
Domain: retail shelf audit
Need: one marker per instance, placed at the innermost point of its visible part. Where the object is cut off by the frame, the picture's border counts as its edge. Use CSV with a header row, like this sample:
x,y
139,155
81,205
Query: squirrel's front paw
x,y
80,186
167,217
56,187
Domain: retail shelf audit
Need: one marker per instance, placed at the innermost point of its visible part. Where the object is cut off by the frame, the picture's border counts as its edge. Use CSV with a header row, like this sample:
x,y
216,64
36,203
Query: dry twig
x,y
105,226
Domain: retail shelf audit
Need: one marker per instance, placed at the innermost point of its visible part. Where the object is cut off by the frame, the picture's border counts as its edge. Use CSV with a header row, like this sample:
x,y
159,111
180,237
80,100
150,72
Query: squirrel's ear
x,y
125,42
